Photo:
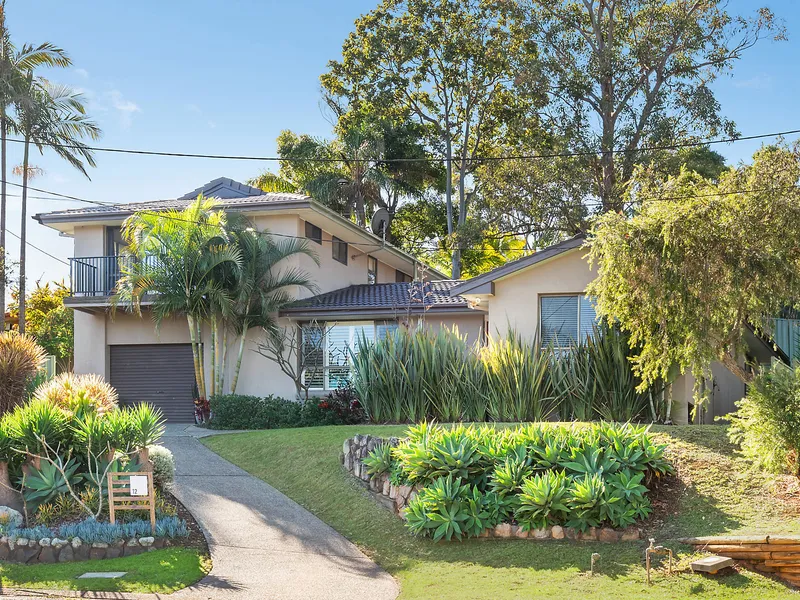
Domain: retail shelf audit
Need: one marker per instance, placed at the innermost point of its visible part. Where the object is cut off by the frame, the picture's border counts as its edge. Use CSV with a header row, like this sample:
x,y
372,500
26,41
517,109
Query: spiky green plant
x,y
79,394
20,359
37,423
147,424
517,386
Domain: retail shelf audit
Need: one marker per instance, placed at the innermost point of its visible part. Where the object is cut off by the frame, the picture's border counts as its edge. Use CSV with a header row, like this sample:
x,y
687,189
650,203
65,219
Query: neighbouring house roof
x,y
484,284
380,300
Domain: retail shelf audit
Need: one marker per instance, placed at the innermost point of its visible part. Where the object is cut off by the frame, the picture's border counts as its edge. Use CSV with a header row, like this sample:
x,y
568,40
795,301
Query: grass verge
x,y
160,571
714,492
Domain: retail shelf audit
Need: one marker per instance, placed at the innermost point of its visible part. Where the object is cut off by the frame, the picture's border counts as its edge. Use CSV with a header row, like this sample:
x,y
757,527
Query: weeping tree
x,y
700,263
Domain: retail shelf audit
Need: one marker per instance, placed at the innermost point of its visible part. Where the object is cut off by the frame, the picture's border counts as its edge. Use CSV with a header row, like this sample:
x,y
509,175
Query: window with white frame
x,y
327,348
565,320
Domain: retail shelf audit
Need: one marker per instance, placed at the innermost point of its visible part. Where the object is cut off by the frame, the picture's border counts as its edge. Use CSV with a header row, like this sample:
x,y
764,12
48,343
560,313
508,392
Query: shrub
x,y
163,466
767,422
36,422
379,461
235,411
418,374
21,358
147,424
78,394
539,475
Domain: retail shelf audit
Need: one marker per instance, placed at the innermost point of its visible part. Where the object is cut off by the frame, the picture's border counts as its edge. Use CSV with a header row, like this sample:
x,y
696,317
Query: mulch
x,y
197,539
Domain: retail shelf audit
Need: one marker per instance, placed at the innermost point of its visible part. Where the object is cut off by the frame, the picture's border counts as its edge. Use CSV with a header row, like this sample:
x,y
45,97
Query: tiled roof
x,y
383,297
175,204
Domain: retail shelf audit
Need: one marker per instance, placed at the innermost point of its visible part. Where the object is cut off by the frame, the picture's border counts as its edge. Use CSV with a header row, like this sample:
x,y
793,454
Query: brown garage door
x,y
161,374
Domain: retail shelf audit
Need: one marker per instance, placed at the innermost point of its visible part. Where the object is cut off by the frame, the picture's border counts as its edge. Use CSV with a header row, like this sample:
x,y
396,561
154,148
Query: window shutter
x,y
559,320
313,354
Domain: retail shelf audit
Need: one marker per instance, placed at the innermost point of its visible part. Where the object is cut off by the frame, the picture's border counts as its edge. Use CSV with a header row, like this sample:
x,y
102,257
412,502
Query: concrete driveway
x,y
264,545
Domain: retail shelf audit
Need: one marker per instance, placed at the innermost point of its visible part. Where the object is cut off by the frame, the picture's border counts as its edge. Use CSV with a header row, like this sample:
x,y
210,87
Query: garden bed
x,y
102,540
541,481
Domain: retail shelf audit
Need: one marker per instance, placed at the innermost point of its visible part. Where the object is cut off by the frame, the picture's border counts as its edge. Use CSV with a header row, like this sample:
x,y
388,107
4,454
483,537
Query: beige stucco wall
x,y
516,298
470,325
94,333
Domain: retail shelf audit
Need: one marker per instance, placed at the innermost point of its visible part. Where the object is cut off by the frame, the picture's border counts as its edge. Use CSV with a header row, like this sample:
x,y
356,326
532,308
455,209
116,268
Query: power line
x,y
45,252
376,245
677,146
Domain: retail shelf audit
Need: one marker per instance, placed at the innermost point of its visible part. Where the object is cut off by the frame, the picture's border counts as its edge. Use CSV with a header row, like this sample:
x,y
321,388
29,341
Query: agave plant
x,y
20,359
543,500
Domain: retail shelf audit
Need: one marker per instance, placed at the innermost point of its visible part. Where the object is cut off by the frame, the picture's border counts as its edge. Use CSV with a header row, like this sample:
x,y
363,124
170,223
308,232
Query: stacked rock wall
x,y
52,550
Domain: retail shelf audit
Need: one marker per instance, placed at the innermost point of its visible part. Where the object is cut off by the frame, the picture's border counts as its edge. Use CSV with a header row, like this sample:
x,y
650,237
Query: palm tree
x,y
13,67
52,116
261,288
176,258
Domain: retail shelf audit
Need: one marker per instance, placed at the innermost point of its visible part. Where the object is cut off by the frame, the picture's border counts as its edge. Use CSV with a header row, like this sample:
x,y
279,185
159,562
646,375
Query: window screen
x,y
339,251
342,339
401,277
566,320
313,233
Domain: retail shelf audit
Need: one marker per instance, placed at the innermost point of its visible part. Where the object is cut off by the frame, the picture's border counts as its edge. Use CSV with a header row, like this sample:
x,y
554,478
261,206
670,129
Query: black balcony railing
x,y
97,275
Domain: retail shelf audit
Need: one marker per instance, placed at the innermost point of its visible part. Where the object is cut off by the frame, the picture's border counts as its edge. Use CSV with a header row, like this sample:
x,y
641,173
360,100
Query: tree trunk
x,y
448,195
239,357
3,127
143,457
198,363
224,360
8,495
23,233
214,357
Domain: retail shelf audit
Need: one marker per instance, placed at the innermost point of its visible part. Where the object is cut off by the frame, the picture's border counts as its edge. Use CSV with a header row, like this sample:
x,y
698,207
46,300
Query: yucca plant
x,y
36,426
20,359
147,426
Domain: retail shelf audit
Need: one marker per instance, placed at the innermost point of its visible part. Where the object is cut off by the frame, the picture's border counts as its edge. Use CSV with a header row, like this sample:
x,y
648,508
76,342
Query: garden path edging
x,y
397,497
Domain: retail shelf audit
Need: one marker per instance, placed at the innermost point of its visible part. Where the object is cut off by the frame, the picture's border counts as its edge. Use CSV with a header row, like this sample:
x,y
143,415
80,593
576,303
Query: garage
x,y
161,374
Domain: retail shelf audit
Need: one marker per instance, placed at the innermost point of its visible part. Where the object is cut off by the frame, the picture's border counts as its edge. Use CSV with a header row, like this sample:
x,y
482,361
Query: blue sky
x,y
227,77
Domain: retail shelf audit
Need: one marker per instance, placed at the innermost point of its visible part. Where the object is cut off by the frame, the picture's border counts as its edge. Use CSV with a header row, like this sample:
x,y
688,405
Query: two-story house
x,y
364,288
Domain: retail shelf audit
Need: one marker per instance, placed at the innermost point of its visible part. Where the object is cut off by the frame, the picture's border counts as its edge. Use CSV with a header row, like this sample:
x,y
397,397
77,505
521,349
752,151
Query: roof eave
x,y
370,312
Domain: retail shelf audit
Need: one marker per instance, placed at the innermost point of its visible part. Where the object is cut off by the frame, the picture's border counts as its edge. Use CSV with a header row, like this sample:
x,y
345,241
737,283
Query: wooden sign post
x,y
132,491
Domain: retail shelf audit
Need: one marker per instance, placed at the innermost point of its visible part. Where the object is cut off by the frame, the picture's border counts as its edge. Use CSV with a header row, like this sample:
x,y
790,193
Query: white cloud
x,y
82,73
193,108
212,124
126,108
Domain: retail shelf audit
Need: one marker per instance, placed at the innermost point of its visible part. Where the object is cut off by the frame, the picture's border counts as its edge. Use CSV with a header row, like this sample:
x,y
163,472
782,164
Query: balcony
x,y
95,276
93,280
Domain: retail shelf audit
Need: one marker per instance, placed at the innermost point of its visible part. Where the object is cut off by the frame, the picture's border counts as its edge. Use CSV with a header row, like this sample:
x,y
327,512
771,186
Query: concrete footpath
x,y
264,545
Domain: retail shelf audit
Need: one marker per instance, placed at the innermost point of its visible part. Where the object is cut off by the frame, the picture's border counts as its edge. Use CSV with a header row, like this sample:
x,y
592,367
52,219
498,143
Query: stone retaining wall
x,y
397,497
53,550
778,554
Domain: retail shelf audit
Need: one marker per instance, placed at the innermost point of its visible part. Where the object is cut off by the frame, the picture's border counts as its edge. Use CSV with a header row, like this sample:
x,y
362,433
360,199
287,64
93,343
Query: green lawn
x,y
715,492
160,571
